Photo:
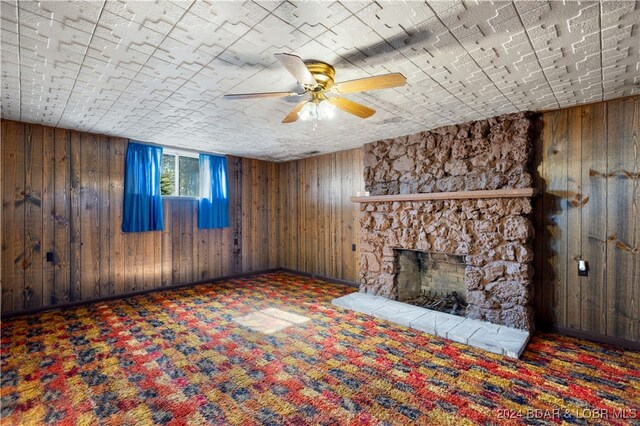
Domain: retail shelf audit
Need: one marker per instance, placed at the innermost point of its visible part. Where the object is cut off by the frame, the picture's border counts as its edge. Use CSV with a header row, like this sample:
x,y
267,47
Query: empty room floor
x,y
271,349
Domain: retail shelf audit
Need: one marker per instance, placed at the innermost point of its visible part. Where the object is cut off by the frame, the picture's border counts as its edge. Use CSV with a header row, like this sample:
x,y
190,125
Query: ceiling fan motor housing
x,y
323,73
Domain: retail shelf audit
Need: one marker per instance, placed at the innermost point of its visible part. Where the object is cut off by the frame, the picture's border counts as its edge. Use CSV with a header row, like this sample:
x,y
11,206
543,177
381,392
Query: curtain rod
x,y
176,148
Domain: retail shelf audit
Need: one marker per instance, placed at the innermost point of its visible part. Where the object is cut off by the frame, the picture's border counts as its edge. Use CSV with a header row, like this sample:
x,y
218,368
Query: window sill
x,y
179,197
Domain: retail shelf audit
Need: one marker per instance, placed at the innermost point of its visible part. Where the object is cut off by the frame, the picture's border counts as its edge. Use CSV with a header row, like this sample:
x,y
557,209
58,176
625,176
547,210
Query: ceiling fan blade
x,y
370,83
295,65
352,107
261,95
293,115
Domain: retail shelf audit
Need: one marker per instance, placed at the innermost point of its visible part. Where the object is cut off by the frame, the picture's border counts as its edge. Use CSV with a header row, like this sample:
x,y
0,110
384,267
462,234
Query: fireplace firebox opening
x,y
432,280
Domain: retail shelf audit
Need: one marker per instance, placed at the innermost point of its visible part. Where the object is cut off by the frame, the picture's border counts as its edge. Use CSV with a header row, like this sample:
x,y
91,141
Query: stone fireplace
x,y
432,280
492,236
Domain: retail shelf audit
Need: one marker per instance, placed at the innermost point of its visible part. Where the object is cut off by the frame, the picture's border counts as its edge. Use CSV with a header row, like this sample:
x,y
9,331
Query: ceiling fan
x,y
317,80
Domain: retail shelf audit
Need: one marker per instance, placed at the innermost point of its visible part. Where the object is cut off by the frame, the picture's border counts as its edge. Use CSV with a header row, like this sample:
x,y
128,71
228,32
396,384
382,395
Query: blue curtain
x,y
142,198
213,209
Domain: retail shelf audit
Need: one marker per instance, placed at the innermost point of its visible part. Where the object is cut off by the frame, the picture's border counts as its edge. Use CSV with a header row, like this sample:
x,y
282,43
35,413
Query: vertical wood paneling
x,y
90,216
272,213
19,260
48,210
215,241
12,234
62,191
33,226
103,177
176,242
357,183
324,244
302,246
260,236
231,261
75,287
132,272
319,223
622,220
594,217
574,197
254,239
556,211
260,229
259,223
344,213
62,217
167,250
196,257
157,266
139,259
293,237
541,303
246,174
151,259
202,249
186,241
311,218
116,191
590,210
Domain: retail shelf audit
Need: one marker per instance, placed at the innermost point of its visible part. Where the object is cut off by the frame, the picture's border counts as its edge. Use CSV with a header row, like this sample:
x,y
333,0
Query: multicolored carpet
x,y
202,355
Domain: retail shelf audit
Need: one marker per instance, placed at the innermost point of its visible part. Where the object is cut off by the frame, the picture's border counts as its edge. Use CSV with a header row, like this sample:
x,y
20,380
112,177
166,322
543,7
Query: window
x,y
180,174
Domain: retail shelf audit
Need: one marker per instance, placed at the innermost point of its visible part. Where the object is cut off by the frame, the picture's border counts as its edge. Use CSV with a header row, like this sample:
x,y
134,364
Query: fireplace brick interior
x,y
495,235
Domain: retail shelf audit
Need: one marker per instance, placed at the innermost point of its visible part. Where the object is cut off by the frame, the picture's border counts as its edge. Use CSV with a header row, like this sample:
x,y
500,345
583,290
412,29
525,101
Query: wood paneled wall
x,y
62,192
59,193
318,222
259,215
588,167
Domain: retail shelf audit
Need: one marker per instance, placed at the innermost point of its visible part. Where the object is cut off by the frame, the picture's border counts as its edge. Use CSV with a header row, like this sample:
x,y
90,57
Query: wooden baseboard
x,y
599,338
321,277
9,315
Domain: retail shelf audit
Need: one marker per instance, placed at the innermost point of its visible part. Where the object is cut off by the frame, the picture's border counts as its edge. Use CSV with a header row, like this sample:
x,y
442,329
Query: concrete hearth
x,y
494,338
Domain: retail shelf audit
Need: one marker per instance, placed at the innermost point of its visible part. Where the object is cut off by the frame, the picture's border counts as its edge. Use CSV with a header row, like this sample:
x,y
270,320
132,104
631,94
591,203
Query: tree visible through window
x,y
189,180
180,175
168,175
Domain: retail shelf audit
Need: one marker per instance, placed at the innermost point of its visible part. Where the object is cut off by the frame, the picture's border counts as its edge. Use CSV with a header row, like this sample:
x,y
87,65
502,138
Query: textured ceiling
x,y
156,70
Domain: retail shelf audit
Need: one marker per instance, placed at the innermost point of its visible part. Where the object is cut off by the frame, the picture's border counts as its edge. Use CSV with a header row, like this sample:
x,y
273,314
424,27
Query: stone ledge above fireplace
x,y
458,195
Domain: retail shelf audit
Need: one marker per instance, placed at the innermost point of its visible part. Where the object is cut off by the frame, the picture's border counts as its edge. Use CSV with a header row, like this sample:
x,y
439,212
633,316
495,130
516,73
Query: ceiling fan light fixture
x,y
326,110
322,110
308,112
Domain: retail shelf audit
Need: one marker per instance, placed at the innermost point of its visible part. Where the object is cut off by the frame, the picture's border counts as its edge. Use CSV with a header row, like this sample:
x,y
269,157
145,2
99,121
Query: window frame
x,y
177,153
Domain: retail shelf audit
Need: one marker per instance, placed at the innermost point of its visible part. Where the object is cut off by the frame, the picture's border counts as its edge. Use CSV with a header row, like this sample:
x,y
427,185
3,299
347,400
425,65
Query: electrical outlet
x,y
583,268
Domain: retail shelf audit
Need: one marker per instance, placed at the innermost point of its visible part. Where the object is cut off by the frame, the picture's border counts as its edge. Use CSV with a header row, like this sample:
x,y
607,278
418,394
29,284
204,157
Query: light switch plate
x,y
583,268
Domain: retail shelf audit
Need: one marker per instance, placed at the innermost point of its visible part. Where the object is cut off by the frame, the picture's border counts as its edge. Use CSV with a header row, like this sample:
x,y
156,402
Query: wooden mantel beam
x,y
458,195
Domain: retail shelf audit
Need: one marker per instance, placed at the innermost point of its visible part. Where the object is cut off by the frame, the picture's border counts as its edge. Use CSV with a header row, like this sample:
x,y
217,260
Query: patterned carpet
x,y
196,356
